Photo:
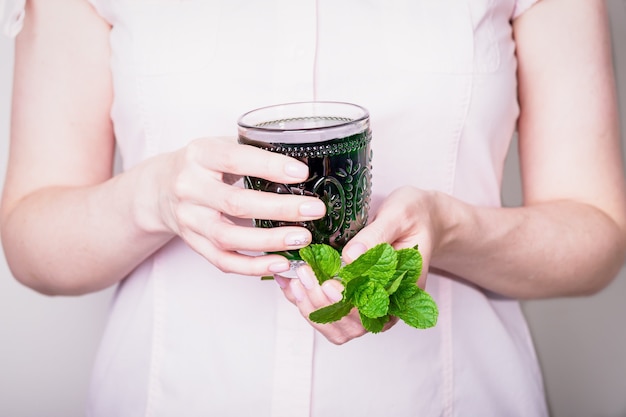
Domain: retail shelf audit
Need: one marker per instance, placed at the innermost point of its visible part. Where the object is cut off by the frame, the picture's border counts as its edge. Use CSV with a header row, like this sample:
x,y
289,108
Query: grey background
x,y
47,344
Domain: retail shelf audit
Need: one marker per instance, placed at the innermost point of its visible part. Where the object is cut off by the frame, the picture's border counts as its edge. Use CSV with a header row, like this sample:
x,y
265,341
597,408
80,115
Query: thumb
x,y
352,251
367,238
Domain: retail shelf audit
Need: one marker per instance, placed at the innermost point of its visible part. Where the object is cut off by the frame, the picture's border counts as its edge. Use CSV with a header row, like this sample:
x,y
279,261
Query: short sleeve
x,y
521,6
12,16
104,8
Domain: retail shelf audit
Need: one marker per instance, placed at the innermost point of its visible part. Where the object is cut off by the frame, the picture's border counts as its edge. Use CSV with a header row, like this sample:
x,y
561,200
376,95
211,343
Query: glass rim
x,y
364,116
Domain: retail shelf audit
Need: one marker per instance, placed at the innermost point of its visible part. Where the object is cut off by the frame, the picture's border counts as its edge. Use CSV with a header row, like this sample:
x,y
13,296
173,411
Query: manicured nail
x,y
306,277
296,289
331,292
297,170
281,281
279,267
297,239
354,251
313,209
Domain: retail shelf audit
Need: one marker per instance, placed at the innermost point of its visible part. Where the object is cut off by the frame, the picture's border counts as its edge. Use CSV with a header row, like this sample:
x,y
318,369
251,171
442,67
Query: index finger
x,y
226,156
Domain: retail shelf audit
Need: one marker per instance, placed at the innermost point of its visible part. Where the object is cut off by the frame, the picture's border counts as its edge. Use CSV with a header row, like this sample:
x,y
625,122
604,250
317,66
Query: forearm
x,y
550,249
78,239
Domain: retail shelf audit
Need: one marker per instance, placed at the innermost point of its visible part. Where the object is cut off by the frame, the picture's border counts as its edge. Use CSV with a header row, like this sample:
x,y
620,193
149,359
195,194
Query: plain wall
x,y
47,344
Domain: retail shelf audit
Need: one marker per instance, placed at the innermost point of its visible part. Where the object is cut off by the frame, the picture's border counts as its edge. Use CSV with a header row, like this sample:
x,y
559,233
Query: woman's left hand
x,y
406,218
308,295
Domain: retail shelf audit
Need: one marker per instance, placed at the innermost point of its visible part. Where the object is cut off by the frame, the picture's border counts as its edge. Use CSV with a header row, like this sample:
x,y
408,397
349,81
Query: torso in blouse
x,y
438,78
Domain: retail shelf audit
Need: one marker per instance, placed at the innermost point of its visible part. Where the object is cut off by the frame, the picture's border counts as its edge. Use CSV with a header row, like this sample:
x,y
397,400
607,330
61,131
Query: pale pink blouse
x,y
439,79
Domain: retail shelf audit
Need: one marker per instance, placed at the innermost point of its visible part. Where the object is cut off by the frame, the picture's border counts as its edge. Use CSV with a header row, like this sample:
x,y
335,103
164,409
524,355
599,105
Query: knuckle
x,y
192,150
221,263
272,164
220,237
288,211
181,187
234,203
228,162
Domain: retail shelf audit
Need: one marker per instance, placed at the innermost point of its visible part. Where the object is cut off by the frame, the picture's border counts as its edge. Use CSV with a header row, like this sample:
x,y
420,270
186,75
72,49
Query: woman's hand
x,y
198,201
60,178
407,217
308,295
419,226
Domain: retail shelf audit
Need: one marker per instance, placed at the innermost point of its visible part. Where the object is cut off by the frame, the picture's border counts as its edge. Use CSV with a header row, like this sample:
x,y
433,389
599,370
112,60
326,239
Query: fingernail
x,y
313,209
354,251
296,289
279,267
307,278
331,292
297,239
281,281
297,170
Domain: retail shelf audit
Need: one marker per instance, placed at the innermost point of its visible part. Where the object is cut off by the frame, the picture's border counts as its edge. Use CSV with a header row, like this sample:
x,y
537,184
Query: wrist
x,y
148,197
452,216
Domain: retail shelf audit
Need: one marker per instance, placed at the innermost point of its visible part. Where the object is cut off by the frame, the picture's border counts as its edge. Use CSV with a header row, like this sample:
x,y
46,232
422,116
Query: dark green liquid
x,y
339,175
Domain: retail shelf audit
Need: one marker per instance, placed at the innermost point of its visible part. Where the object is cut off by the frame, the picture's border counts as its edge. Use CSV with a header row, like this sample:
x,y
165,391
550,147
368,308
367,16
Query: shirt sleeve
x,y
105,8
12,16
521,6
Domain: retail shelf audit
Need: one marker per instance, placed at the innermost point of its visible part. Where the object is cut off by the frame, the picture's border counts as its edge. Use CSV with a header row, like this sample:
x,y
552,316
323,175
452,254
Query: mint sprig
x,y
380,283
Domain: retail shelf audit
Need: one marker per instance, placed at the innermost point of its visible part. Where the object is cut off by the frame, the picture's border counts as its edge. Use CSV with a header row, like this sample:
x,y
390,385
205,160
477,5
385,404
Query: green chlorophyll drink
x,y
338,154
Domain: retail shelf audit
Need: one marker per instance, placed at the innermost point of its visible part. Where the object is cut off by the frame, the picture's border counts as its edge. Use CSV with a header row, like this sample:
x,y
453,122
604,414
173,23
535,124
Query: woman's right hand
x,y
198,201
69,226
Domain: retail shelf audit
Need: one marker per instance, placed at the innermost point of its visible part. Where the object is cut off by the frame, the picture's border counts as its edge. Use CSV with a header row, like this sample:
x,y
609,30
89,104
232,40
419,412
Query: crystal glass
x,y
333,139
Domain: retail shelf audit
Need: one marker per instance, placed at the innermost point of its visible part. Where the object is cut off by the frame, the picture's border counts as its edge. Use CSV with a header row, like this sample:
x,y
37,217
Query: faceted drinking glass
x,y
333,139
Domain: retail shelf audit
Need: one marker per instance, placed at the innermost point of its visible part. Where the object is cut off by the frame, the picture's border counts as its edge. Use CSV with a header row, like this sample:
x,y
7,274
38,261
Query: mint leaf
x,y
380,283
398,301
331,313
414,306
378,263
409,261
374,325
395,284
352,286
323,259
372,300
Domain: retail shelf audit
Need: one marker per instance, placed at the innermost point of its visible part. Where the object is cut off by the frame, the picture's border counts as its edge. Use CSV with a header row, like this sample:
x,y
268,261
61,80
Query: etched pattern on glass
x,y
340,175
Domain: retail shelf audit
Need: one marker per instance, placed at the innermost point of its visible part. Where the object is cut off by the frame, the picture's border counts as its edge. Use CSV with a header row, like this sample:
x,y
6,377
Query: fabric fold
x,y
12,14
